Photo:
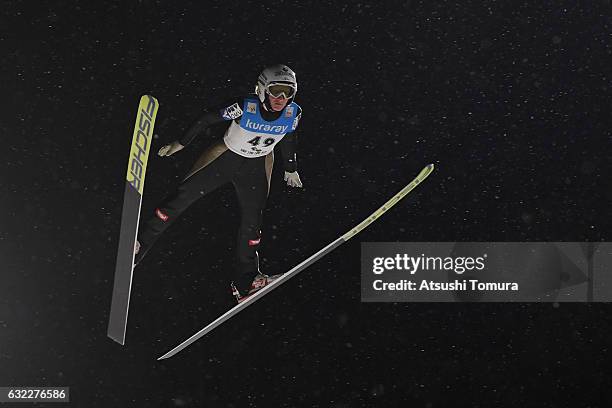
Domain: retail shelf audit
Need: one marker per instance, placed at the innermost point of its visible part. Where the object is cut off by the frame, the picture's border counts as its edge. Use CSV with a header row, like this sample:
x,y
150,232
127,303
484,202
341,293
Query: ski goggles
x,y
281,90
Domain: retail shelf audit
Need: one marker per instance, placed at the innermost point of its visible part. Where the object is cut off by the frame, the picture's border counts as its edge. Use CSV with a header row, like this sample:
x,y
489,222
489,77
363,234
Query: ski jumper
x,y
244,158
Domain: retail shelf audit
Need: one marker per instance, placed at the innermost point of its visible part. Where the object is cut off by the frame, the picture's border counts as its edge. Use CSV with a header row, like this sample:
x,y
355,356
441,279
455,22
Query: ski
x,y
306,263
132,199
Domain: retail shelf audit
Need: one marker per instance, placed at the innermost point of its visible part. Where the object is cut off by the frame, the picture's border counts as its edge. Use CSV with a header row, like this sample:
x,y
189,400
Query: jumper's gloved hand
x,y
170,149
293,179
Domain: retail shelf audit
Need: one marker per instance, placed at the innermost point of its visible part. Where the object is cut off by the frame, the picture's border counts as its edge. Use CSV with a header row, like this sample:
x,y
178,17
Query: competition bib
x,y
254,136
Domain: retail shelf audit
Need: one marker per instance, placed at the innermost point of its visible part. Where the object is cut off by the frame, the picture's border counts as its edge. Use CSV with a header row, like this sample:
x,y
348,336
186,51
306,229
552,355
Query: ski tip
x,y
430,166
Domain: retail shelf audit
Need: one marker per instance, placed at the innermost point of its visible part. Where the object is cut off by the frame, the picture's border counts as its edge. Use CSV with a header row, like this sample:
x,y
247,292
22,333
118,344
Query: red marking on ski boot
x,y
253,242
161,215
259,283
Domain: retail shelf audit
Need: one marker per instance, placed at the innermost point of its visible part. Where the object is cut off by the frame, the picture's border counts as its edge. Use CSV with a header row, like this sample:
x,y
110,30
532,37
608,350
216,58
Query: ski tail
x,y
132,199
304,264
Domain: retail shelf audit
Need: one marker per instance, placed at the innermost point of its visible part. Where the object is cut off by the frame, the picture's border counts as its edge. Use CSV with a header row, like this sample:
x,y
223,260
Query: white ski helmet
x,y
280,75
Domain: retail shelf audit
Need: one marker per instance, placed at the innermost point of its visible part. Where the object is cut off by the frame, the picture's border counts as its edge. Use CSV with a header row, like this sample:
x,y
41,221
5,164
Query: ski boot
x,y
140,250
260,281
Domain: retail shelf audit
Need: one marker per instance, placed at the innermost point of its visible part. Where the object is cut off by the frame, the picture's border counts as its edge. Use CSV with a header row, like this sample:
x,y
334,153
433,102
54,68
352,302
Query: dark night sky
x,y
511,101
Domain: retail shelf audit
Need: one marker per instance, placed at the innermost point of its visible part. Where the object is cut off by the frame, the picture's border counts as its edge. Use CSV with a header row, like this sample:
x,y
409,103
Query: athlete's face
x,y
278,104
